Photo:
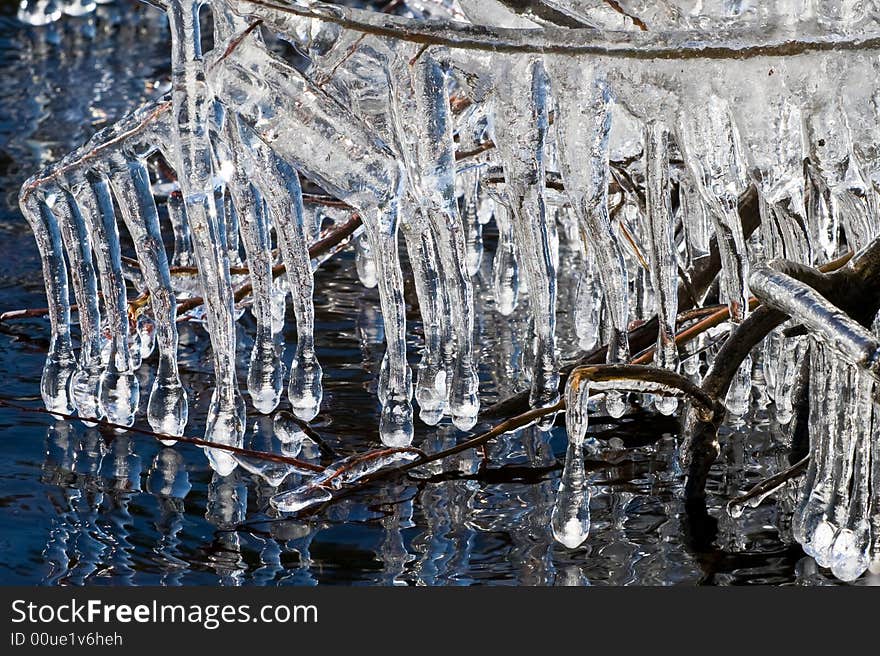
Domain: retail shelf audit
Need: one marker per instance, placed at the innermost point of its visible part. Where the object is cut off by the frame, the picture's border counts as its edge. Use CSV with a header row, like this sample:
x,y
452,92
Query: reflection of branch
x,y
769,485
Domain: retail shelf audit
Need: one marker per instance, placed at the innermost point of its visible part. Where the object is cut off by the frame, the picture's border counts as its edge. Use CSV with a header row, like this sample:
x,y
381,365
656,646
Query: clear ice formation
x,y
616,143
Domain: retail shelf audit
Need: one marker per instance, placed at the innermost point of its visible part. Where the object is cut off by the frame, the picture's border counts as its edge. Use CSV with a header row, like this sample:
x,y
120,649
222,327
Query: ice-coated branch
x,y
728,44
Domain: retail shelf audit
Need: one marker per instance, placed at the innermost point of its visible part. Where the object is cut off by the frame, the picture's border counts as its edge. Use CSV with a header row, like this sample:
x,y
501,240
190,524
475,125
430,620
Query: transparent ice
x,y
587,157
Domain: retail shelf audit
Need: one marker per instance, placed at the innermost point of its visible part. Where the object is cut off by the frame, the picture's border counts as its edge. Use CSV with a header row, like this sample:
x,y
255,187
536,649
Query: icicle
x,y
787,363
436,167
712,152
505,269
583,120
577,399
473,227
520,135
191,104
431,374
570,519
265,372
167,408
843,439
739,394
60,360
664,271
119,387
823,422
85,381
280,186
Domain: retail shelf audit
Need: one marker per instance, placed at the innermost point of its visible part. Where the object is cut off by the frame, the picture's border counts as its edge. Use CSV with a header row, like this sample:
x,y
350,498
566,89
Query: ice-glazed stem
x,y
323,140
60,360
436,155
664,269
521,106
119,387
583,120
191,107
849,338
167,407
85,383
430,375
265,372
281,189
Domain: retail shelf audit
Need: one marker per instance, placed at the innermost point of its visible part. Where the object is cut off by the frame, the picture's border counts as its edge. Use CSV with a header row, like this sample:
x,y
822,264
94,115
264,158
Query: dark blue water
x,y
78,506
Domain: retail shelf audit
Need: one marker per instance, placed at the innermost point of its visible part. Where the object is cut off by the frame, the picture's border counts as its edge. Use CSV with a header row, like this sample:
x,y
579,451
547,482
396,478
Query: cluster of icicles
x,y
433,142
43,12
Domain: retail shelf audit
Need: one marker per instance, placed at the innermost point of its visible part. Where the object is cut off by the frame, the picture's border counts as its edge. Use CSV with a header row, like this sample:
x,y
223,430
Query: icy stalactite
x,y
265,377
167,410
521,134
570,519
435,142
583,120
505,266
661,245
435,179
192,156
119,387
85,381
60,360
283,196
